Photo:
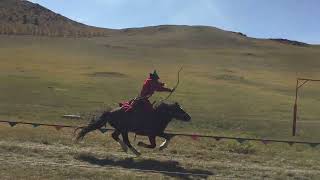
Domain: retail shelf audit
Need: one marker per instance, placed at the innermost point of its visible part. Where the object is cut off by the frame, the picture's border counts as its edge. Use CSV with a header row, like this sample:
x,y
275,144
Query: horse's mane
x,y
163,104
157,105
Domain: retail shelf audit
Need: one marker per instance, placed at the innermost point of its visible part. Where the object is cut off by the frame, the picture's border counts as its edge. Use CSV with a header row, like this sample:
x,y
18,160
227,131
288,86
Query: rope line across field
x,y
193,136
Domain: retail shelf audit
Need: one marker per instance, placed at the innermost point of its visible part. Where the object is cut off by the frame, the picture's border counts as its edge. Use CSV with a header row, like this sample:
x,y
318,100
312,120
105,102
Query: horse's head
x,y
175,111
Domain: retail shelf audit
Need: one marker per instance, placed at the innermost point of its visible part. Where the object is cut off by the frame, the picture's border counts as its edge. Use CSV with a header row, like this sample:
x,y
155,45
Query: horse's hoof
x,y
137,153
123,146
163,145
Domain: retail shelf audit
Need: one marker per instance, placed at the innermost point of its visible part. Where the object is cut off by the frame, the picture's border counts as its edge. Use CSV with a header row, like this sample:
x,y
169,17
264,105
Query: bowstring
x,y
175,87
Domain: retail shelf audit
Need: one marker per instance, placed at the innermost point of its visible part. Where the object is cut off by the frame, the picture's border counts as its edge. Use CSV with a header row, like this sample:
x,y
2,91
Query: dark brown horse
x,y
145,124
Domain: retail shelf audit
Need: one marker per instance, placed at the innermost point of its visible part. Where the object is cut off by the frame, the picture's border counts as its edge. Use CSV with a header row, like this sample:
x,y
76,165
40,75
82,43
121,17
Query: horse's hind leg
x,y
152,144
127,142
115,136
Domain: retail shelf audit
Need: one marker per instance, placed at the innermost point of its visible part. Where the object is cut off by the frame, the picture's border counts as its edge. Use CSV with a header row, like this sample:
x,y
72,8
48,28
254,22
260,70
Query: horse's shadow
x,y
170,168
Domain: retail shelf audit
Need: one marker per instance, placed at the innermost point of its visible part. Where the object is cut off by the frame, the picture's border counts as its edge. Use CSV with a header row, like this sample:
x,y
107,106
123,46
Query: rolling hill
x,y
20,17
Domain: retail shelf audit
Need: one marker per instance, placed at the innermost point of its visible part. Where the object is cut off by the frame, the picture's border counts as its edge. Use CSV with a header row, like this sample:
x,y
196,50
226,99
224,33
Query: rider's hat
x,y
154,75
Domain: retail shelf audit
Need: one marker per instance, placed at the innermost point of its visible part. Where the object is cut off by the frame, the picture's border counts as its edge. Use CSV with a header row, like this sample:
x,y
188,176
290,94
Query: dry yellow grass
x,y
244,90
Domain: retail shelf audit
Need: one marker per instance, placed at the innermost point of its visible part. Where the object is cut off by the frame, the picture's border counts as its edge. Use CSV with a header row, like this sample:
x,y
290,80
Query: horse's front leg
x,y
127,142
167,138
152,144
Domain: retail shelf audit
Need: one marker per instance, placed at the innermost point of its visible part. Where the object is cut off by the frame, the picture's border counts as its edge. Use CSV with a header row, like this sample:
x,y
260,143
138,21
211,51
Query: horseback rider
x,y
150,85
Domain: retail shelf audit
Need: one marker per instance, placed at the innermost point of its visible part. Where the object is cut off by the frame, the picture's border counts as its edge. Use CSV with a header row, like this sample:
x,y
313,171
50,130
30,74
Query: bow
x,y
175,87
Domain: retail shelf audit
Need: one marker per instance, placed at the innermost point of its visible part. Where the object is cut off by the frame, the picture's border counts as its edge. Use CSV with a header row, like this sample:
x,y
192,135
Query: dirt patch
x,y
107,74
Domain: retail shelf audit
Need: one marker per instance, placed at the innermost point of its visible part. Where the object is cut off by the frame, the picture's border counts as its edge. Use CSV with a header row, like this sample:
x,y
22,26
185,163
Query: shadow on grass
x,y
170,168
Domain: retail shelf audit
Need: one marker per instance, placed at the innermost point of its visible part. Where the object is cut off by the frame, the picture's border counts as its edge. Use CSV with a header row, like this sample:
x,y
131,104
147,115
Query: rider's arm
x,y
161,88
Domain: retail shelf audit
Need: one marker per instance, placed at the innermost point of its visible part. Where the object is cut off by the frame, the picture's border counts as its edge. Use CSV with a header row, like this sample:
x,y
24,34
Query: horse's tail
x,y
93,125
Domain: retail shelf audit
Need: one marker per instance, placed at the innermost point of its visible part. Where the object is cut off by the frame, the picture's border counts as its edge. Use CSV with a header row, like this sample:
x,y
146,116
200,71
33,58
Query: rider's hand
x,y
172,90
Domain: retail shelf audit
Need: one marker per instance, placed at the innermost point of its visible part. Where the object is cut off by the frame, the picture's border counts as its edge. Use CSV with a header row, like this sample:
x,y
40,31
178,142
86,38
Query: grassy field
x,y
234,86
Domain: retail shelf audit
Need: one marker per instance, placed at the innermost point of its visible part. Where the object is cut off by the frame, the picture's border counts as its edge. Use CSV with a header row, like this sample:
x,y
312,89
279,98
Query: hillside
x,y
19,17
22,17
184,37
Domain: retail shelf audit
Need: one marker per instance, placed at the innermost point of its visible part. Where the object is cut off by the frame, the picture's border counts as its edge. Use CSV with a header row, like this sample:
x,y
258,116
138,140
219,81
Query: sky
x,y
290,19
